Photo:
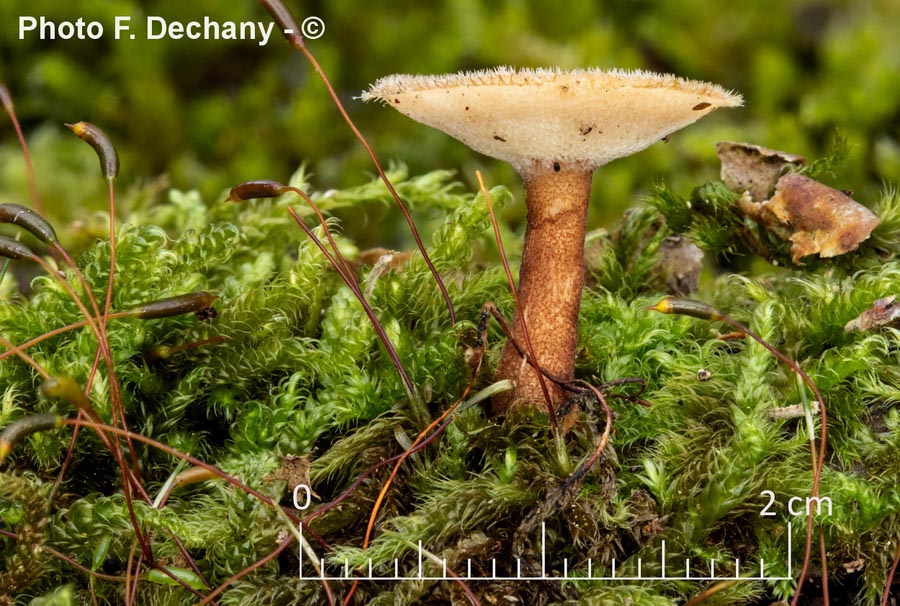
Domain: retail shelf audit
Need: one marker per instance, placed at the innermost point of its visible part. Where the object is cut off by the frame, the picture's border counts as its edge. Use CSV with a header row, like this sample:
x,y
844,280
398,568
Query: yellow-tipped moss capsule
x,y
249,190
194,475
28,220
20,428
158,353
164,352
66,389
96,138
686,307
174,306
14,249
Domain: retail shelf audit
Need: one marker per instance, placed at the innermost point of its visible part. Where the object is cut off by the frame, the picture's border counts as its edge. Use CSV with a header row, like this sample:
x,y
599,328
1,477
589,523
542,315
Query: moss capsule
x,y
28,220
284,20
158,353
96,138
175,306
13,249
686,307
66,389
249,190
20,428
164,352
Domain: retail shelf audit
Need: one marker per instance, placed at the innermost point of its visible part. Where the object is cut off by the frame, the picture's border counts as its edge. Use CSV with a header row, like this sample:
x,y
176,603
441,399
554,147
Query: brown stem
x,y
550,281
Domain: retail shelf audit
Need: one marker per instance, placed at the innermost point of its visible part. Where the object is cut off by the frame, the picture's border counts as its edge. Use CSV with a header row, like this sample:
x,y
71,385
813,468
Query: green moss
x,y
292,365
298,370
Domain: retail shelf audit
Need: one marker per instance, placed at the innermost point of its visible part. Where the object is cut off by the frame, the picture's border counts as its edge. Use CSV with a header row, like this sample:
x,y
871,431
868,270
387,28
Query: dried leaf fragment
x,y
392,258
882,313
294,470
815,218
753,168
793,411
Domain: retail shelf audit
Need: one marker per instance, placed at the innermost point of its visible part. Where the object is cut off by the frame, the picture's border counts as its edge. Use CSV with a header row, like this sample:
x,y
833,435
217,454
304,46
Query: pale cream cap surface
x,y
582,117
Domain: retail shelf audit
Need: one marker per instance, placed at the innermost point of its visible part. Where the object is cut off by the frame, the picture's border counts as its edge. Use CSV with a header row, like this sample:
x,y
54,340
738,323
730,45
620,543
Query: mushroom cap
x,y
527,117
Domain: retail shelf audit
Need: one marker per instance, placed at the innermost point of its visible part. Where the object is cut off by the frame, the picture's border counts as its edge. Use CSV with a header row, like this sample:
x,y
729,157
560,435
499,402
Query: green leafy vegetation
x,y
290,371
300,372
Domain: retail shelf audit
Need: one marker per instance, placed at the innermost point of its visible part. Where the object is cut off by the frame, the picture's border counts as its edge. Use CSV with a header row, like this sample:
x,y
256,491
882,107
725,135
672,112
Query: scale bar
x,y
543,548
566,576
662,560
540,578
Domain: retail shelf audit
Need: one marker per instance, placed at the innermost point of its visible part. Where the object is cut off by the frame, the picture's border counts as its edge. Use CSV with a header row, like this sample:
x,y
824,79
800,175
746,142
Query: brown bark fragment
x,y
753,168
815,218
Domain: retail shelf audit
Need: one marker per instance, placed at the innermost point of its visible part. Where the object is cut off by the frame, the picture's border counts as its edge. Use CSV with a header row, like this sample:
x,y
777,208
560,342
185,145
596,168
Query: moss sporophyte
x,y
555,128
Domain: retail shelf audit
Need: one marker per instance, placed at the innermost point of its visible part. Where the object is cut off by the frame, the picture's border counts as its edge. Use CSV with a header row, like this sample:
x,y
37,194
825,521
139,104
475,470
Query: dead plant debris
x,y
815,218
884,312
753,168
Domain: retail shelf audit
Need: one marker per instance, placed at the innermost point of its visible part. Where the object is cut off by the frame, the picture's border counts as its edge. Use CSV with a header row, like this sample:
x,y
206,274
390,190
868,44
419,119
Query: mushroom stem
x,y
550,280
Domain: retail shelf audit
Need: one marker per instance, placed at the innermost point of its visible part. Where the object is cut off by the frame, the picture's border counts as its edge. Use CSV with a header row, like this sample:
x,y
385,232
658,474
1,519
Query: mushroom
x,y
555,128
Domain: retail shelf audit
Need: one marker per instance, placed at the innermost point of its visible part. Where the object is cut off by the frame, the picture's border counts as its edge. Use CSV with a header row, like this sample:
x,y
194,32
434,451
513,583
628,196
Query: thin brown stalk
x,y
350,282
285,20
12,348
709,592
257,564
604,437
29,168
376,507
129,564
180,455
68,560
890,576
701,310
98,328
362,477
823,554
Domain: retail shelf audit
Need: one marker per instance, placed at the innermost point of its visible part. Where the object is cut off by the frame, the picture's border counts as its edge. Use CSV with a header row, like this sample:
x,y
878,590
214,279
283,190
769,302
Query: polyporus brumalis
x,y
555,128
